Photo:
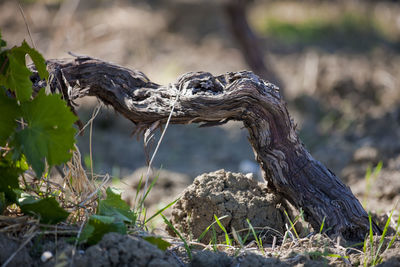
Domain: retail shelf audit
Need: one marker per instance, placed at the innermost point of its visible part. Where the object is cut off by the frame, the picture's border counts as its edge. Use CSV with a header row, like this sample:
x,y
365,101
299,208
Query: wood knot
x,y
201,82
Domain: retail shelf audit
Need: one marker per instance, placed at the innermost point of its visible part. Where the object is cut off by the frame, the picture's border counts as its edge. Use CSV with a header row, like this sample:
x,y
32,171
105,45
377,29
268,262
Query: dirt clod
x,y
223,193
208,258
118,250
8,247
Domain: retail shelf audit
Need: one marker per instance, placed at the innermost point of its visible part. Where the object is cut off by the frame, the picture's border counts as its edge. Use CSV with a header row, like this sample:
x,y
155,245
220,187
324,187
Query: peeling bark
x,y
288,167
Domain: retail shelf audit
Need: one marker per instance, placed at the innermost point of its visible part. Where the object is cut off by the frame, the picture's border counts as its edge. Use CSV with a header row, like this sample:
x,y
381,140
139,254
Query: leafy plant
x,y
113,214
47,209
35,130
158,241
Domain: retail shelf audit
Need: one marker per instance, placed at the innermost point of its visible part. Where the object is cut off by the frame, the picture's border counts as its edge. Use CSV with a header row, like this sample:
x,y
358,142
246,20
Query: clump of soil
x,y
208,258
223,193
117,250
8,247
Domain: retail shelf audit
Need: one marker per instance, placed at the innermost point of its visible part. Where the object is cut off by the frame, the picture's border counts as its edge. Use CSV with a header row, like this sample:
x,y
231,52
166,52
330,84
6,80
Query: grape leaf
x,y
114,206
100,225
9,180
10,112
37,59
46,209
157,241
17,75
2,42
49,133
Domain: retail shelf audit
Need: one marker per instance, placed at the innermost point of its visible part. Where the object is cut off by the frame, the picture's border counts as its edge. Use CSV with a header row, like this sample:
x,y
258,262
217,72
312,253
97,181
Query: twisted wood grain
x,y
288,167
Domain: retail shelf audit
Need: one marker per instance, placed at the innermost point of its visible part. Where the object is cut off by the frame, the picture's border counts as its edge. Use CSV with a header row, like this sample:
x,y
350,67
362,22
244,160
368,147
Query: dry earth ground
x,y
344,101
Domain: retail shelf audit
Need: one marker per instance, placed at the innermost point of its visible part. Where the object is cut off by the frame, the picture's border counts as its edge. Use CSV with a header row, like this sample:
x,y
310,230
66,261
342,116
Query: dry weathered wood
x,y
287,166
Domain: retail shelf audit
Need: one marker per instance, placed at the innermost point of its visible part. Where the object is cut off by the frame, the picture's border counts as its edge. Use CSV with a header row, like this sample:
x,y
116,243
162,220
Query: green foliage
x,y
370,179
228,241
258,240
185,244
157,241
375,257
9,173
33,131
160,211
49,133
112,215
293,223
322,225
99,225
8,123
208,228
345,30
114,206
2,42
46,209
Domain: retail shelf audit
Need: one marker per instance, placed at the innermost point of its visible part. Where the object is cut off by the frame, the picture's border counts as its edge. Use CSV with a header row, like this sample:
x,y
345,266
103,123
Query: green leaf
x,y
157,241
10,112
4,63
47,209
3,202
114,206
17,75
2,42
100,225
37,59
9,180
14,73
49,134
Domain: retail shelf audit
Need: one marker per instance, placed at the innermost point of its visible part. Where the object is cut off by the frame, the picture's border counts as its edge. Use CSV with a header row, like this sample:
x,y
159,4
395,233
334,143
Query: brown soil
x,y
346,106
228,194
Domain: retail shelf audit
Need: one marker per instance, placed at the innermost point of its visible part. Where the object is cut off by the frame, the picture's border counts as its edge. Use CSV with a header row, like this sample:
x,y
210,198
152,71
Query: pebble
x,y
47,255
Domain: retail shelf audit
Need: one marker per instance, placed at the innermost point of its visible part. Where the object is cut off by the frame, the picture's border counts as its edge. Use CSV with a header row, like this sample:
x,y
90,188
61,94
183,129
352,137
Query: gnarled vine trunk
x,y
287,166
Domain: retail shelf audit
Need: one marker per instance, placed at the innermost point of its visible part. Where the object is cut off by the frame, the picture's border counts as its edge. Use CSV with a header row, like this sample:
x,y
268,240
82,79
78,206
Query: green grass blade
x,y
138,188
185,244
214,238
371,234
208,228
292,224
322,225
237,237
161,210
247,236
148,190
258,241
365,250
376,258
377,169
395,235
227,239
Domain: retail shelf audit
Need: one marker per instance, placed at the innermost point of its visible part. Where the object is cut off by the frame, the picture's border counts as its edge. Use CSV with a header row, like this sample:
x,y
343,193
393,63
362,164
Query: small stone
x,y
47,255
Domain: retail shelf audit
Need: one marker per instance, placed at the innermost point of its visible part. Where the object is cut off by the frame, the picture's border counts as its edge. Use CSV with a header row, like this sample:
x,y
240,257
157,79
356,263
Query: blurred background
x,y
337,62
